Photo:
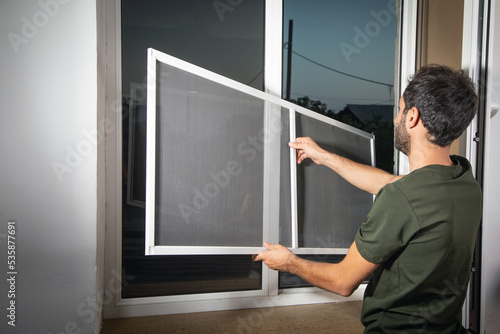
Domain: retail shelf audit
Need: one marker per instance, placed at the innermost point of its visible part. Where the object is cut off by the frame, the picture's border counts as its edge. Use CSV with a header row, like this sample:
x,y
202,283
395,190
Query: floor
x,y
342,318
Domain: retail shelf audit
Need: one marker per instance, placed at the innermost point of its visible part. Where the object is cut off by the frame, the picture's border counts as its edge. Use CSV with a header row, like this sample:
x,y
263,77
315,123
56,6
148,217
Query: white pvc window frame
x,y
272,116
408,62
269,295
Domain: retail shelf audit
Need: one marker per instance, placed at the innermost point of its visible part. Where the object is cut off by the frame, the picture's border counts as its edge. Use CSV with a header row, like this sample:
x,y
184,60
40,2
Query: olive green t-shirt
x,y
422,230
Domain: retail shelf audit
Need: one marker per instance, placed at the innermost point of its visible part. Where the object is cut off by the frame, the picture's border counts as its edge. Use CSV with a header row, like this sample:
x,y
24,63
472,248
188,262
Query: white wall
x,y
48,89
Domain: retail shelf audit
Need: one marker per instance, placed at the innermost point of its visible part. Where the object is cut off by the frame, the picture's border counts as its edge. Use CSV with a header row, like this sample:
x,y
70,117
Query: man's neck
x,y
428,155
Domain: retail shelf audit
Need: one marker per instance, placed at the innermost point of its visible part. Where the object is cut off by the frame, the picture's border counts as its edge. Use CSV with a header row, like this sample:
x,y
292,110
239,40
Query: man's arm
x,y
342,278
364,177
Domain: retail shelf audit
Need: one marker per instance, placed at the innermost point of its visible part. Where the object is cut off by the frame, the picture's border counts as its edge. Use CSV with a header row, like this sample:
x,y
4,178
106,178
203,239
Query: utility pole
x,y
289,61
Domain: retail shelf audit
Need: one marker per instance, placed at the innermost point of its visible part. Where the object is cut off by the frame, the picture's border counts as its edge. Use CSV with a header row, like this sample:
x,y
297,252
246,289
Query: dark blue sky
x,y
233,46
356,37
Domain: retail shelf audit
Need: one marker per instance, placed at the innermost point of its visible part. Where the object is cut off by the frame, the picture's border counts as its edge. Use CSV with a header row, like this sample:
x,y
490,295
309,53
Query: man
x,y
418,239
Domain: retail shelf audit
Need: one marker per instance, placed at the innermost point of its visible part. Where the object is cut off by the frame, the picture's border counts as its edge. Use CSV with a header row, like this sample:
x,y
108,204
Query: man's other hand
x,y
276,257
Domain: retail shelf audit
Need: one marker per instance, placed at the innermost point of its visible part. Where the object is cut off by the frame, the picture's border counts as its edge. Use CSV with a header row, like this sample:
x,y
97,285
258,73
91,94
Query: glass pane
x,y
209,163
330,210
226,40
339,60
178,275
136,190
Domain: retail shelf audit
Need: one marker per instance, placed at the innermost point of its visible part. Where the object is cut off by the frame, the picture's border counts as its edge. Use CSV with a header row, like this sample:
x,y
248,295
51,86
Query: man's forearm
x,y
362,176
322,275
342,278
365,177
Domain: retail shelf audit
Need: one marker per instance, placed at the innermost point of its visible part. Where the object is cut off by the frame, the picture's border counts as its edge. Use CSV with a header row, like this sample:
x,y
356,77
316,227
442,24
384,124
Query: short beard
x,y
402,141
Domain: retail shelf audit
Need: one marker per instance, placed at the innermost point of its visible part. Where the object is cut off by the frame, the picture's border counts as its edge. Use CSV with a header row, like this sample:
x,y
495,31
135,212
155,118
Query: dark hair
x,y
446,100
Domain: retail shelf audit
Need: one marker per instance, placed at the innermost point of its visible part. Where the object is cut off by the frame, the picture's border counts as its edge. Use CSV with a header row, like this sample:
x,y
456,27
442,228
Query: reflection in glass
x,y
230,43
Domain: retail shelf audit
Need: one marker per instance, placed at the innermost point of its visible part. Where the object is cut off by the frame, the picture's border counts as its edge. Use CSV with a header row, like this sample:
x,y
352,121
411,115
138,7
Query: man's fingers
x,y
301,156
260,256
302,139
270,246
300,153
295,145
298,143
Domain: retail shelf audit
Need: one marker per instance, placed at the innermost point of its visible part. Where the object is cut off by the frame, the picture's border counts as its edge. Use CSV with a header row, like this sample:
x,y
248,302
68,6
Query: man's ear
x,y
412,117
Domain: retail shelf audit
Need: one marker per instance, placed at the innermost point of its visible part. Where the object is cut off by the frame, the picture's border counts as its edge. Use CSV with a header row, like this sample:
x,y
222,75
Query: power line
x,y
340,72
255,77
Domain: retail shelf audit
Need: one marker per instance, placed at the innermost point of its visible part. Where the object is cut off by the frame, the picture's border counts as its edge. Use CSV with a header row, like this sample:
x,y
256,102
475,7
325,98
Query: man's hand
x,y
277,257
307,148
341,278
362,176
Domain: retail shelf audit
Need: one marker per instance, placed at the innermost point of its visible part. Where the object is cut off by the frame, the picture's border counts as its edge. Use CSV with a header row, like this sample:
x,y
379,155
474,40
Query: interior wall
x,y
48,170
441,34
442,29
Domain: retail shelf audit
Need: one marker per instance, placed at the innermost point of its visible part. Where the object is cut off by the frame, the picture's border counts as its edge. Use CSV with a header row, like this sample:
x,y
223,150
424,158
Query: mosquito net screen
x,y
209,162
329,209
209,169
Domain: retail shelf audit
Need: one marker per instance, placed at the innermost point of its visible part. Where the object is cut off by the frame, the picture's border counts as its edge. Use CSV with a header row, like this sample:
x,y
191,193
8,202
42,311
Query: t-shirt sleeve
x,y
389,226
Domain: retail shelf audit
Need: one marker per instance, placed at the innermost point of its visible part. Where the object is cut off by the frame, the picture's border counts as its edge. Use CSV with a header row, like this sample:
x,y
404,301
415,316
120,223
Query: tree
x,y
383,130
314,105
384,138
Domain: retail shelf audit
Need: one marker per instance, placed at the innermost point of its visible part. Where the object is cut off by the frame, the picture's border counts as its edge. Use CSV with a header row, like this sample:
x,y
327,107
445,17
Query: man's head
x,y
445,99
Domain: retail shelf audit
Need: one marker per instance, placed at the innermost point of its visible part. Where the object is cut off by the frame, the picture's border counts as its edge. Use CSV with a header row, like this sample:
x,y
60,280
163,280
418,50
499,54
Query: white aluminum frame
x,y
471,64
293,182
272,113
